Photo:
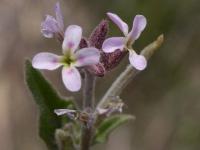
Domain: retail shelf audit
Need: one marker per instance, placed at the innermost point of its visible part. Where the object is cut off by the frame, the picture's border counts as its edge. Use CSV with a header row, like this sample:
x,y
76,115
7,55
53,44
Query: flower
x,y
115,105
82,116
72,114
125,43
53,26
71,59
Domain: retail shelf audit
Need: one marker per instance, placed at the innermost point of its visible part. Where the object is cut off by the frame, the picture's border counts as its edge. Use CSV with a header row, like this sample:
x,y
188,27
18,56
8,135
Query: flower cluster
x,y
81,58
72,57
93,57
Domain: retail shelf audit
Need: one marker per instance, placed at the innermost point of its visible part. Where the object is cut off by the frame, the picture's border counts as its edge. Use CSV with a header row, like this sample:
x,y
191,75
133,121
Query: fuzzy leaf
x,y
108,125
47,100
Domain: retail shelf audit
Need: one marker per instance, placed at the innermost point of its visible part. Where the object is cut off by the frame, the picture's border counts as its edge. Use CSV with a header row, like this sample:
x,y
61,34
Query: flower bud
x,y
108,61
83,43
99,34
113,59
115,105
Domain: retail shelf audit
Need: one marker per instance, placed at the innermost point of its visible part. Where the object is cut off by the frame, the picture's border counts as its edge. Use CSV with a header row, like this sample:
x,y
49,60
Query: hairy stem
x,y
89,91
86,138
88,104
126,76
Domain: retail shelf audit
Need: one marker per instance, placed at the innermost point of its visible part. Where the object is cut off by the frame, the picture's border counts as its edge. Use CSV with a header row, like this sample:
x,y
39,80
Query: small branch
x,y
126,76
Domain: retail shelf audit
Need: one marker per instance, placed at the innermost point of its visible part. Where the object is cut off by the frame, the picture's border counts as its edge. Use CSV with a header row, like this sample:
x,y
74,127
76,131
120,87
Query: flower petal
x,y
102,111
139,24
49,27
71,78
72,38
47,61
87,56
119,22
137,61
59,16
60,112
112,44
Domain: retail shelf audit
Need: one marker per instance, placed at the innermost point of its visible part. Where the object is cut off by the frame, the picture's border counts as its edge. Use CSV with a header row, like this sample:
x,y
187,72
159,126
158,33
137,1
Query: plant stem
x,y
86,138
88,104
89,91
126,76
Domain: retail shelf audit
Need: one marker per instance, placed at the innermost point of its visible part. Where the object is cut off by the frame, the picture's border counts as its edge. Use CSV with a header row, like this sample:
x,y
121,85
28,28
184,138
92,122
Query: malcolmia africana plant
x,y
83,60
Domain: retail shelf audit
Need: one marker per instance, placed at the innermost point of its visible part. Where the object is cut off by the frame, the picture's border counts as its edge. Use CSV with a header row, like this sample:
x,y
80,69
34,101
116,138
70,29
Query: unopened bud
x,y
108,61
83,43
99,34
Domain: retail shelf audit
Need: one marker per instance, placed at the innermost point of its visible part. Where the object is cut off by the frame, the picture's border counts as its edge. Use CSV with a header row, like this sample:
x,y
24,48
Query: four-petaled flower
x,y
71,59
53,26
125,43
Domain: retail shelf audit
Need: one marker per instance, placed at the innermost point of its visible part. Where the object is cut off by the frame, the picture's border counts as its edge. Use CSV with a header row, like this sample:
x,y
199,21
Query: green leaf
x,y
47,99
108,125
64,139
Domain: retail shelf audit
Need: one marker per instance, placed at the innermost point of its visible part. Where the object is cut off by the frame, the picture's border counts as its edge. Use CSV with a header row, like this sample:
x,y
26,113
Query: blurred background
x,y
165,98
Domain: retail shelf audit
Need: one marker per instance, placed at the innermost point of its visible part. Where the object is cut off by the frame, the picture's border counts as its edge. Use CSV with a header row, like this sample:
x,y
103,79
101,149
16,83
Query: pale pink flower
x,y
126,42
53,26
71,59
